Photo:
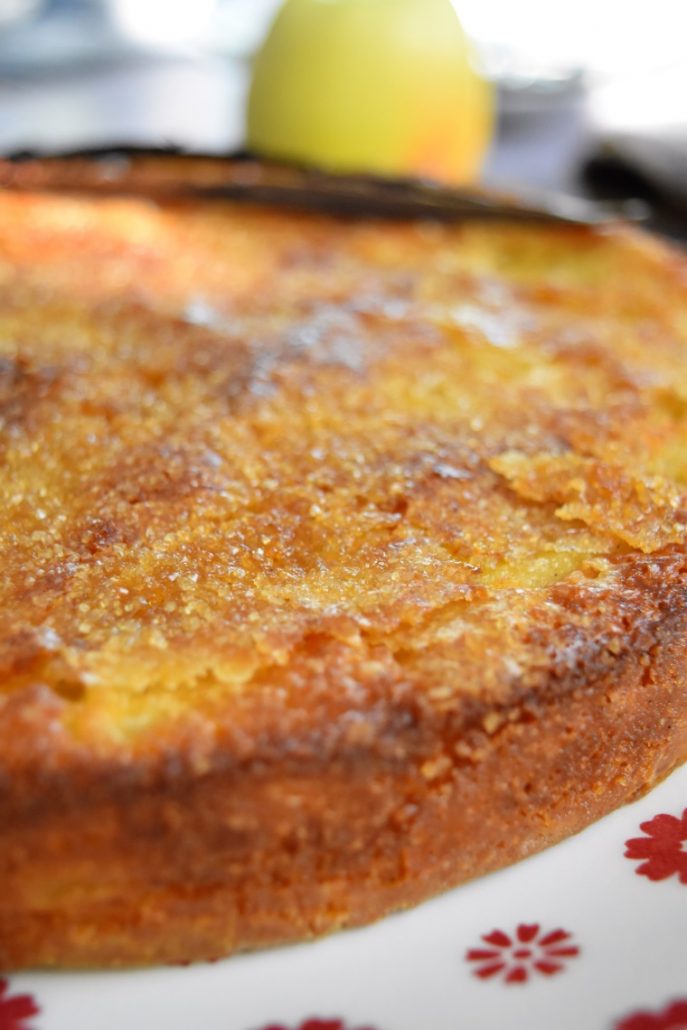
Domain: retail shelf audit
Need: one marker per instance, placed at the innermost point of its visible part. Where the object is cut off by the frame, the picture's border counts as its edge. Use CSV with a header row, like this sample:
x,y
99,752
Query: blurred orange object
x,y
385,86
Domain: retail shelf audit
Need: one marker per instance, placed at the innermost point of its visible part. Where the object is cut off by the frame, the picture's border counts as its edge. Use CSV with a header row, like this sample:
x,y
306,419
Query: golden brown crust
x,y
181,866
341,561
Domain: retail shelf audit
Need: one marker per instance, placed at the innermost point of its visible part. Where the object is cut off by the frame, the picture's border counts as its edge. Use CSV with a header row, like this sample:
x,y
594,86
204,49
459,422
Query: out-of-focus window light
x,y
602,38
163,22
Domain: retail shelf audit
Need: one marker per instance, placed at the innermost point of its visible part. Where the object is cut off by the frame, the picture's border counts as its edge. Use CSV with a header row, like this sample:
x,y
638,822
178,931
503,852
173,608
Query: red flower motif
x,y
14,1011
527,951
315,1024
664,849
674,1017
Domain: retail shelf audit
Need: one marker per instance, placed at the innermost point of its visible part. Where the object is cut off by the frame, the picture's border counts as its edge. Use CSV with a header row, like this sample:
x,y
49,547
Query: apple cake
x,y
343,559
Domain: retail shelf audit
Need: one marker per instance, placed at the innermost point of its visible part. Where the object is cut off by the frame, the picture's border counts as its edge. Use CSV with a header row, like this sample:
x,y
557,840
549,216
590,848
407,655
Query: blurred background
x,y
592,95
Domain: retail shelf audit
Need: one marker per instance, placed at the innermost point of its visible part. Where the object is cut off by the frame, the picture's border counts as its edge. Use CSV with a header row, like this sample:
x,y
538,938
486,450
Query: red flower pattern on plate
x,y
316,1024
674,1017
664,849
15,1009
515,958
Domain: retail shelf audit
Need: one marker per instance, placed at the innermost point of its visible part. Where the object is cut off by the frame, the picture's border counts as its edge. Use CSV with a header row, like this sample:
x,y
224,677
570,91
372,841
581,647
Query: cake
x,y
342,558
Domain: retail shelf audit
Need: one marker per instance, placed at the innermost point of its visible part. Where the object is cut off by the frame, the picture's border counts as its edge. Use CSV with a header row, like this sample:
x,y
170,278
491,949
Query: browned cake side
x,y
340,562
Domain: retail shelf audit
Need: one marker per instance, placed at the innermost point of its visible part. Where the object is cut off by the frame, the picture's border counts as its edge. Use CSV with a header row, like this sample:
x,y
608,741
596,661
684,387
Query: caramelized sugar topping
x,y
240,445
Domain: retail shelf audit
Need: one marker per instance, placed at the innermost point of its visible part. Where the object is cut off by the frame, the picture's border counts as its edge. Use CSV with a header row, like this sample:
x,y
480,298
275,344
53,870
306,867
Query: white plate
x,y
622,967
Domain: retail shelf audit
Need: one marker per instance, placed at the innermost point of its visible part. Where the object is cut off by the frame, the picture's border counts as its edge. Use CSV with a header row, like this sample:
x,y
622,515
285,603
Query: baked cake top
x,y
266,473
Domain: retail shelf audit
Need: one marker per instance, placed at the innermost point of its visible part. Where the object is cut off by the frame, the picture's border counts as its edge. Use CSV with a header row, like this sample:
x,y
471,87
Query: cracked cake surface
x,y
340,560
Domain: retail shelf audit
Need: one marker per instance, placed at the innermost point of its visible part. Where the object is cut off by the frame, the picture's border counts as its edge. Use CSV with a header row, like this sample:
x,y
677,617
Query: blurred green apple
x,y
387,86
